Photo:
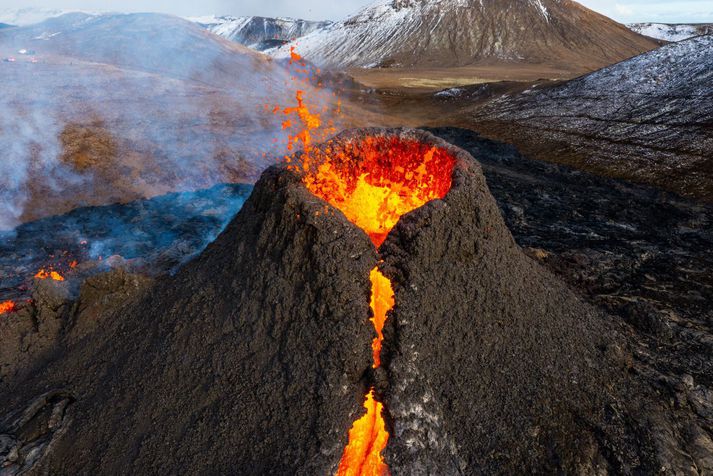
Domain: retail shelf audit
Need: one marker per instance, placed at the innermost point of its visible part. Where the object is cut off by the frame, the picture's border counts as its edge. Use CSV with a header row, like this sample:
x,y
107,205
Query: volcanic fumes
x,y
374,180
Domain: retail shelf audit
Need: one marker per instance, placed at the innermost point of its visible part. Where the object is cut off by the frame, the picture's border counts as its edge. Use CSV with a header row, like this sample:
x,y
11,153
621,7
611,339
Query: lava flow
x,y
373,180
7,307
382,301
376,180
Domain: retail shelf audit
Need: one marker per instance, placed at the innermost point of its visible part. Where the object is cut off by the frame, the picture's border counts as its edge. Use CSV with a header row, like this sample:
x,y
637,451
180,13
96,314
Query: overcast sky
x,y
626,11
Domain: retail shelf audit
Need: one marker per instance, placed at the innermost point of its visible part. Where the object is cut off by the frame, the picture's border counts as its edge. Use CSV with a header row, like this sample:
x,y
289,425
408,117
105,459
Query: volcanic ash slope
x,y
255,358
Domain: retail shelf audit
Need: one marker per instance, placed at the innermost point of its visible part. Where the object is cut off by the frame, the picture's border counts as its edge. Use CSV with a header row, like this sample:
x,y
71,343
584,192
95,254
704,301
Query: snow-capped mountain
x,y
445,33
672,32
647,119
29,16
259,32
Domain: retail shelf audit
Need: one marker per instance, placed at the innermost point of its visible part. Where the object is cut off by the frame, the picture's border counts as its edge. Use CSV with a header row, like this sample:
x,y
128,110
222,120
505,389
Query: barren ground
x,y
414,80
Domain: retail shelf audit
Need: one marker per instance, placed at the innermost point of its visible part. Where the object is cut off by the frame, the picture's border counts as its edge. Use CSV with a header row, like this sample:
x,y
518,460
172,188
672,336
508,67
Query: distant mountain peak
x,y
30,15
672,31
259,33
452,33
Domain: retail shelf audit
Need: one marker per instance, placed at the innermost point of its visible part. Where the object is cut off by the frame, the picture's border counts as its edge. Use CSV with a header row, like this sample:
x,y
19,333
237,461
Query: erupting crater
x,y
377,179
374,180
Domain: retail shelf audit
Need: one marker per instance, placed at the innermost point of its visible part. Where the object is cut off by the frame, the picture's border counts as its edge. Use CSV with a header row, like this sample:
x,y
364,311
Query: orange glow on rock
x,y
382,301
6,307
368,435
374,181
53,275
367,439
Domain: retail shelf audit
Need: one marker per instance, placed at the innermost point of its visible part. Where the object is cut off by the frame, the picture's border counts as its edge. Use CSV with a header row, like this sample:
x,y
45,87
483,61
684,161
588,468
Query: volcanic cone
x,y
258,356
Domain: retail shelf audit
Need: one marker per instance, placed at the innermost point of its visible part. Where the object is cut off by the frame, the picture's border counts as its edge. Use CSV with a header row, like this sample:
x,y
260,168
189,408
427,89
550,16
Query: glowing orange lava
x,y
53,275
376,180
367,439
6,307
294,56
308,120
382,301
368,435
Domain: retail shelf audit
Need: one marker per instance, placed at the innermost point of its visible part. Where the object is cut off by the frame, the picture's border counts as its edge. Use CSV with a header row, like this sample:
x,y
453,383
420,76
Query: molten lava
x,y
294,56
376,180
368,435
367,439
7,306
53,275
382,301
308,121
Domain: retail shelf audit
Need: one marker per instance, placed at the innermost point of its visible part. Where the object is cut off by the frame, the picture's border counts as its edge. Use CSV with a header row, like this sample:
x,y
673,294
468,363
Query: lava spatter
x,y
49,274
7,307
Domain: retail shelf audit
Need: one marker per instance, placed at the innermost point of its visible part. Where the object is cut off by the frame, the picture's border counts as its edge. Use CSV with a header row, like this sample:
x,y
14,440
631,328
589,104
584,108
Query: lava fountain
x,y
374,180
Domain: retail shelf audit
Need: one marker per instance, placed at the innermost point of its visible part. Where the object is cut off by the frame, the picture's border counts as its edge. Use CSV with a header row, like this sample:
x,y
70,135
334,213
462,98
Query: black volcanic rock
x,y
496,366
255,357
647,119
249,361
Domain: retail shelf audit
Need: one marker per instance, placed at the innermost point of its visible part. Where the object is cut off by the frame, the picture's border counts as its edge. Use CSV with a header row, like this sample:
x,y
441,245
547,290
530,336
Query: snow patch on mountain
x,y
667,71
646,119
30,16
671,32
542,8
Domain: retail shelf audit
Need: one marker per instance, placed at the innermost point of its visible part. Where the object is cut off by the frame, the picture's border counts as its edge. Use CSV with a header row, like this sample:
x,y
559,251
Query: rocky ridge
x,y
647,119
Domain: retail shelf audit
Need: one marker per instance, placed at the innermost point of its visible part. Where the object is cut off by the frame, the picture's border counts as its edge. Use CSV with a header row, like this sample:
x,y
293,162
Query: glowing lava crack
x,y
374,181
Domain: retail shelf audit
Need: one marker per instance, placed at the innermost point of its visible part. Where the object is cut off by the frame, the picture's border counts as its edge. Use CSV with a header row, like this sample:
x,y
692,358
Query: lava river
x,y
374,181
